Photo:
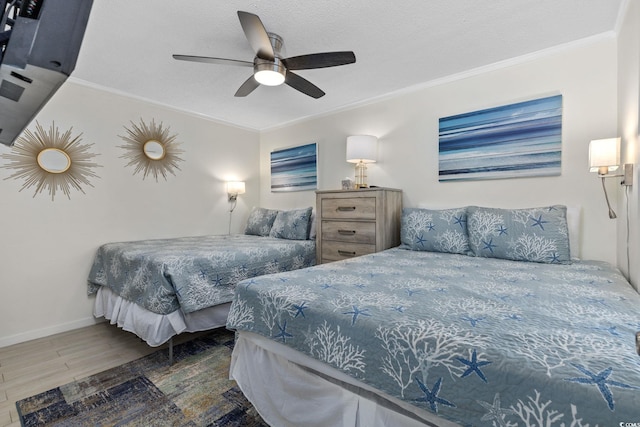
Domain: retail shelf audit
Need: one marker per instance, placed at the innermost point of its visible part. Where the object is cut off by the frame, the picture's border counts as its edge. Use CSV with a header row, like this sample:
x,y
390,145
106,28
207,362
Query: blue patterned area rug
x,y
195,391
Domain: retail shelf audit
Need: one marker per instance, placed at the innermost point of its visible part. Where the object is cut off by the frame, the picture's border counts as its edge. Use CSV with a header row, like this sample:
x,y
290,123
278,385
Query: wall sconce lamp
x,y
362,149
234,188
604,158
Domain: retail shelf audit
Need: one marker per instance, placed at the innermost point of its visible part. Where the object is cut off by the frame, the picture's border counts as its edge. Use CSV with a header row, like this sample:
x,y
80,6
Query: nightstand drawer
x,y
349,231
334,251
351,208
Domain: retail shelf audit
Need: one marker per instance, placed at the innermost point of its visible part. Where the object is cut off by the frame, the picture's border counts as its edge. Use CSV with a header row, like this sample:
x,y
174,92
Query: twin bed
x,y
480,317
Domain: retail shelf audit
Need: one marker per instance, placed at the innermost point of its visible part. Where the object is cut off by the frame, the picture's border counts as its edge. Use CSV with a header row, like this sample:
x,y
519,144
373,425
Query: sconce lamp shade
x,y
604,155
362,148
235,187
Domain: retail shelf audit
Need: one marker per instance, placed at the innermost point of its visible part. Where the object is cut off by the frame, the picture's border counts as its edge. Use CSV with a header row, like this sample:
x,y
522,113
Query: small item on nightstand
x,y
347,184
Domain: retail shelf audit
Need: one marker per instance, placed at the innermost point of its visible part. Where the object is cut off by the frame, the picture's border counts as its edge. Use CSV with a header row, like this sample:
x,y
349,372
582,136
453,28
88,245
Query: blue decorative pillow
x,y
260,221
292,224
435,230
536,234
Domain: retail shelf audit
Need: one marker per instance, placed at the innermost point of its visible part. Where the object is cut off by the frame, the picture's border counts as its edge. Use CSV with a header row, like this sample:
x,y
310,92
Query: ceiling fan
x,y
269,67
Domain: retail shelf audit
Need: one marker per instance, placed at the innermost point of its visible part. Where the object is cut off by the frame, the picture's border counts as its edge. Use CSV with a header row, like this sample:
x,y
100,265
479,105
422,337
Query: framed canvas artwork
x,y
295,168
512,141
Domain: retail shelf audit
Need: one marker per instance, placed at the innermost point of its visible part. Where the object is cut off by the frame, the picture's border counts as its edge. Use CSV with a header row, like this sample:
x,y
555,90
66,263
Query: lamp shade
x,y
604,155
362,148
235,187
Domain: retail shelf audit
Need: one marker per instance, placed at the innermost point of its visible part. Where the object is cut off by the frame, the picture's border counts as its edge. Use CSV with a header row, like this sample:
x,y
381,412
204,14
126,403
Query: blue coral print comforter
x,y
192,273
483,342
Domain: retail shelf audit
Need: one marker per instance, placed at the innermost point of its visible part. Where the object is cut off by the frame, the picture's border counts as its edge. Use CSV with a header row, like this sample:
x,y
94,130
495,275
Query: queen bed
x,y
480,317
162,287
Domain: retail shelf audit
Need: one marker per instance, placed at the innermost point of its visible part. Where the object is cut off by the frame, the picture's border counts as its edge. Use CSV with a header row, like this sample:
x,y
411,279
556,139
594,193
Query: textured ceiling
x,y
128,45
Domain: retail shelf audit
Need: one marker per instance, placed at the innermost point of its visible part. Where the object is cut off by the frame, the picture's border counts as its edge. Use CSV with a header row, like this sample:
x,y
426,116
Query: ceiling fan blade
x,y
303,85
212,60
247,87
256,34
319,60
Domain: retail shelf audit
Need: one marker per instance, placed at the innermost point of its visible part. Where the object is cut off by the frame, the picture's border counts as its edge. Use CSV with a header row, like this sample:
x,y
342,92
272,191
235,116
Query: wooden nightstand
x,y
356,222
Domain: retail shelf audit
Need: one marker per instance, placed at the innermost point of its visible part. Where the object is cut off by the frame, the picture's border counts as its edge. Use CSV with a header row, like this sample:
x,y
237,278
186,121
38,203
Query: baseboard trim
x,y
51,330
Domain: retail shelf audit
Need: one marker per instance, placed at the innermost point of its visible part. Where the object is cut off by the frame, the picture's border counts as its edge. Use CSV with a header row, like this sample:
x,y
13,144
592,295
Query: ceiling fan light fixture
x,y
270,67
269,78
269,73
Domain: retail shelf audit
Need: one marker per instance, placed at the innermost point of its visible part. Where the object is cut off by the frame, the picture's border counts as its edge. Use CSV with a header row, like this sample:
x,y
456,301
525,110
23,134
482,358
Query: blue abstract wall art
x,y
294,169
517,140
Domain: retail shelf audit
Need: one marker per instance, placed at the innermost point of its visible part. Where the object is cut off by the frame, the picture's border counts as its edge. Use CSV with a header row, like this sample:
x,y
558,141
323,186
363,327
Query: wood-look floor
x,y
40,365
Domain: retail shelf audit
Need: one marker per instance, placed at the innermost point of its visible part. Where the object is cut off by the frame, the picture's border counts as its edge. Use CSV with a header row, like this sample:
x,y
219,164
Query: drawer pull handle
x,y
349,232
346,253
346,208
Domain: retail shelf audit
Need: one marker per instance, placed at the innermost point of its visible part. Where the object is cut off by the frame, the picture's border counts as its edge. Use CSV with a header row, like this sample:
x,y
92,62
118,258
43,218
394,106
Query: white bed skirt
x,y
288,388
155,329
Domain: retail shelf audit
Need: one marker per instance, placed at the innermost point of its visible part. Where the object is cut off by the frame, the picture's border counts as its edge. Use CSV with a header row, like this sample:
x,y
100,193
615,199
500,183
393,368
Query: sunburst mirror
x,y
51,160
151,149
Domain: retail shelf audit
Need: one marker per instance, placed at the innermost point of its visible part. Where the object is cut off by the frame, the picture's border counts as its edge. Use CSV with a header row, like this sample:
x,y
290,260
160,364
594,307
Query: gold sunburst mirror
x,y
151,149
51,160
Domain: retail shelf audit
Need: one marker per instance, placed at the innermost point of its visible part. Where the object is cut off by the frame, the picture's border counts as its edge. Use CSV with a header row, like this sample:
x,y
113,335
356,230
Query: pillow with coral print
x,y
434,230
292,224
535,234
260,221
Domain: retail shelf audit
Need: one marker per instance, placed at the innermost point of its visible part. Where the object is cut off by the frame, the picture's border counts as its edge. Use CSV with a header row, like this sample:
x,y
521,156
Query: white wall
x,y
407,127
628,117
47,247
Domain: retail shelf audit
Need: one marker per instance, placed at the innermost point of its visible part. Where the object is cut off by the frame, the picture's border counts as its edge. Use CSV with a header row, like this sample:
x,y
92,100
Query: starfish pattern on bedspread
x,y
283,334
431,396
495,412
600,380
300,309
474,365
472,320
357,312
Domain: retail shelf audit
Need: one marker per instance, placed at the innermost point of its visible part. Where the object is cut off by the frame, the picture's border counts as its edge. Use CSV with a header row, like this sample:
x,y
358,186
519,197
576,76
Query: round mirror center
x,y
54,160
153,150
